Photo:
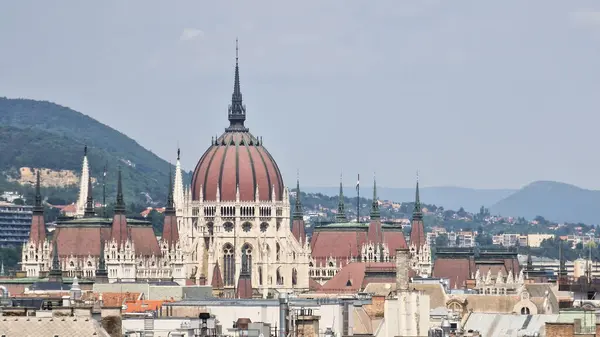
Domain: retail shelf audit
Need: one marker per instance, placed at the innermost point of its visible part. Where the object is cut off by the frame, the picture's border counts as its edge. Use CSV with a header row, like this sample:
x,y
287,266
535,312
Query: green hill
x,y
41,134
554,201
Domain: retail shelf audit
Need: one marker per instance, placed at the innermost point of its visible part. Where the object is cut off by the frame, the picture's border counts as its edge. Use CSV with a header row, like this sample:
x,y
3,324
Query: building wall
x,y
407,315
15,223
535,240
330,314
560,329
207,235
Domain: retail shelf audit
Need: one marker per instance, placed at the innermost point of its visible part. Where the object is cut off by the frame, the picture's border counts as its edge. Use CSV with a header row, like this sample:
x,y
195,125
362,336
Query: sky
x,y
482,94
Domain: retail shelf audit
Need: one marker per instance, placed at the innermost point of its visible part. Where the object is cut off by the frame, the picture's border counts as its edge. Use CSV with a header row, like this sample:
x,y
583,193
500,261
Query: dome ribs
x,y
260,174
269,187
225,190
247,178
210,190
277,173
198,173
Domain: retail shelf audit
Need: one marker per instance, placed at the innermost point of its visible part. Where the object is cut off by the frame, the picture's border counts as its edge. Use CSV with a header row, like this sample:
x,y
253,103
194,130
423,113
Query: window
x,y
246,227
228,265
247,257
228,226
264,226
294,277
525,311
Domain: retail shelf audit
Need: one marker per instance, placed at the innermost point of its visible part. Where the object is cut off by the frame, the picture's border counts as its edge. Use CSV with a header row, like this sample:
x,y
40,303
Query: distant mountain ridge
x,y
448,197
554,201
42,134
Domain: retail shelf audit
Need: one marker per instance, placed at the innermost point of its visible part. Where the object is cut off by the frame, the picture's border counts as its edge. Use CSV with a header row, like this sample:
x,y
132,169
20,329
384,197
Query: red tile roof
x,y
417,233
342,244
170,231
356,276
298,230
459,270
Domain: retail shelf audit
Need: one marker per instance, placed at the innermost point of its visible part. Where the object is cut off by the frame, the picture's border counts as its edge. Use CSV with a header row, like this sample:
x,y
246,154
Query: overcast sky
x,y
486,94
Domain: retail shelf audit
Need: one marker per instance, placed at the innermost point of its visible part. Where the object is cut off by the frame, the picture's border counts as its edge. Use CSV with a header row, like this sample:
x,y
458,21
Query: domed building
x,y
234,219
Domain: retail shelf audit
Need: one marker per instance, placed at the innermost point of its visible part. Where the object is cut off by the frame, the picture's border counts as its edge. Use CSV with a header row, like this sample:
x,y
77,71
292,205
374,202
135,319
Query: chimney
x,y
283,313
402,269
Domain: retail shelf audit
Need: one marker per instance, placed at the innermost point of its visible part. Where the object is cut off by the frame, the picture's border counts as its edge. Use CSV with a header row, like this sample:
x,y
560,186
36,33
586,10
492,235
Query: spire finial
x,y
120,206
85,150
89,204
178,152
38,194
375,214
341,212
170,207
298,214
237,110
417,210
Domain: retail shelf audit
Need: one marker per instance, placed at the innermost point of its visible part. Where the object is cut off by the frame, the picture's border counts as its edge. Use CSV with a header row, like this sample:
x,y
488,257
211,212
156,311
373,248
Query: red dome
x,y
237,158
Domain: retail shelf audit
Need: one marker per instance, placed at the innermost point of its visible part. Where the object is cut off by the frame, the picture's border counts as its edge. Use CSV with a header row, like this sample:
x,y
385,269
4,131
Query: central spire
x,y
237,110
417,213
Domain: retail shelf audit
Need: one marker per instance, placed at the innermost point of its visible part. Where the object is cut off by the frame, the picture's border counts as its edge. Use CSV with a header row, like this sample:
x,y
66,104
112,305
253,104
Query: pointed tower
x,y
298,226
417,231
55,274
101,272
341,211
89,205
119,223
170,232
37,234
178,186
237,109
375,234
83,185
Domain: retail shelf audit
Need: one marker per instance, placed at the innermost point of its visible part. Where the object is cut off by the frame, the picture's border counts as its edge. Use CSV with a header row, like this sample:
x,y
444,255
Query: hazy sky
x,y
472,93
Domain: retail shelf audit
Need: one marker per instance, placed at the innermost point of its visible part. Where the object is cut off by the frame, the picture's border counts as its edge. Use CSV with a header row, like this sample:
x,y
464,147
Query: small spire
x,y
38,208
341,212
102,261
55,274
89,205
298,214
375,214
237,110
170,207
417,213
120,206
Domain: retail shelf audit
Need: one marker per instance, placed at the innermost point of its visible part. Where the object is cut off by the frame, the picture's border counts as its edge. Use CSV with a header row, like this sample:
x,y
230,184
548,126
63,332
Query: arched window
x,y
89,264
279,277
228,227
260,281
71,264
228,265
247,257
294,277
277,251
264,226
525,311
211,228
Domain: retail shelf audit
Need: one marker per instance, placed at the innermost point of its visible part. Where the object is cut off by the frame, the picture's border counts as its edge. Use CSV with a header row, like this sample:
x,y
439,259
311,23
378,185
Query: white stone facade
x,y
420,259
222,231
